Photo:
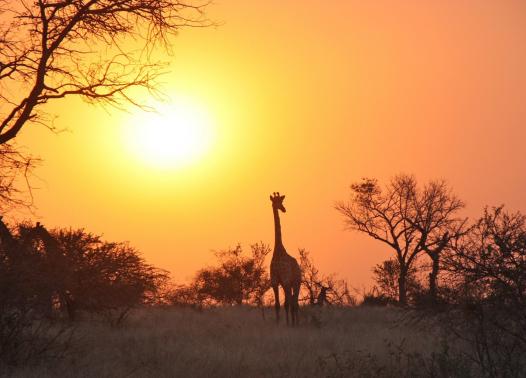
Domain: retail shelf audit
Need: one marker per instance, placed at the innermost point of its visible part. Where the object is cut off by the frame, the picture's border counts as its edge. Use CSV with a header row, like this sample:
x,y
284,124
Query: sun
x,y
175,135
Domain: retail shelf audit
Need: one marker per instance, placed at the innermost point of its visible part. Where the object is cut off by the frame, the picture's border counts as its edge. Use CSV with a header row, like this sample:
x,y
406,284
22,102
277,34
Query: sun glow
x,y
175,135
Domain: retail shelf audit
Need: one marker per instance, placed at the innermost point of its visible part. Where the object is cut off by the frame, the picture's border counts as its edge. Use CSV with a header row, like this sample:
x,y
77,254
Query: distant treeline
x,y
70,274
243,278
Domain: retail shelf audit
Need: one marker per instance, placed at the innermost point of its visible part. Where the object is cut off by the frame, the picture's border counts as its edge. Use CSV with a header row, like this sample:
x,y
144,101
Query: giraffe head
x,y
277,201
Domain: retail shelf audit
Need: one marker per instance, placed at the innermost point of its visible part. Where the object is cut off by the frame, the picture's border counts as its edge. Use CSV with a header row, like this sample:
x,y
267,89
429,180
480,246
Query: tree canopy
x,y
408,218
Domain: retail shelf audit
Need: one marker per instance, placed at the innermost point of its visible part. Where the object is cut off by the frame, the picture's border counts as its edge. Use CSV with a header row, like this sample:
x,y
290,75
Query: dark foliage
x,y
45,276
487,270
374,298
320,289
25,340
237,279
386,276
107,277
67,272
442,363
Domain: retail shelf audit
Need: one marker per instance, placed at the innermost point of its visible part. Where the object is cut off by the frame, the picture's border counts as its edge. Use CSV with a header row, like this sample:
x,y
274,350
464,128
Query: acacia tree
x,y
238,278
71,271
105,277
408,219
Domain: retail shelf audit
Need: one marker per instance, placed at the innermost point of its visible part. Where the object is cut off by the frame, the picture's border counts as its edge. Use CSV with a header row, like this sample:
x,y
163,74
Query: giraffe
x,y
284,269
59,261
20,251
7,240
56,266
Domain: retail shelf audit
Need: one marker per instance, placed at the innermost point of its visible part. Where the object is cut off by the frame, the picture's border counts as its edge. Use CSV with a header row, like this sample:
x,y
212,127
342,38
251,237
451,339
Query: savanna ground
x,y
241,342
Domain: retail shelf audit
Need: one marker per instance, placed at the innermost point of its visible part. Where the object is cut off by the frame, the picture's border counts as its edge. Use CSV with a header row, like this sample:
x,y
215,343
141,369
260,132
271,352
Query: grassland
x,y
241,342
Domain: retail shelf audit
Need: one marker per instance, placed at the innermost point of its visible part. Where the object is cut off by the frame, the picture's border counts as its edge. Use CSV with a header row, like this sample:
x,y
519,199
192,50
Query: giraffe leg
x,y
295,306
276,301
288,297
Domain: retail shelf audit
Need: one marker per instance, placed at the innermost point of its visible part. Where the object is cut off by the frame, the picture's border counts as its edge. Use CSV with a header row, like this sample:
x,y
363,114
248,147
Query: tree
x,y
487,275
386,276
382,214
15,171
238,279
489,262
33,276
106,277
69,271
44,275
408,219
435,216
99,50
52,49
316,286
182,295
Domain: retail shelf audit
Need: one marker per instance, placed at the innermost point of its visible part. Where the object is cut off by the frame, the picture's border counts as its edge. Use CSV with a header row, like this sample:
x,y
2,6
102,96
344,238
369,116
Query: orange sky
x,y
305,99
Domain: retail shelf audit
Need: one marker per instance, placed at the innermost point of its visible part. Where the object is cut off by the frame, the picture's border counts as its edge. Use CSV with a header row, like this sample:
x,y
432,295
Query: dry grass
x,y
238,342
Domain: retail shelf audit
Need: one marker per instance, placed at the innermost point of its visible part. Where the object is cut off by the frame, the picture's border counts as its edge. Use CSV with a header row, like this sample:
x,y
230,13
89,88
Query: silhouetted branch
x,y
55,49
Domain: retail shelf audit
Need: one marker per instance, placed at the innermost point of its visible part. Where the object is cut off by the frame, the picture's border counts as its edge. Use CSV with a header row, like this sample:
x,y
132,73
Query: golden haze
x,y
305,100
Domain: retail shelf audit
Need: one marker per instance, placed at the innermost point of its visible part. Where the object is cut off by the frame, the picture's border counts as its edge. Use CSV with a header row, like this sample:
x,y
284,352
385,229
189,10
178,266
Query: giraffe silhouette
x,y
58,262
7,240
21,249
55,267
284,269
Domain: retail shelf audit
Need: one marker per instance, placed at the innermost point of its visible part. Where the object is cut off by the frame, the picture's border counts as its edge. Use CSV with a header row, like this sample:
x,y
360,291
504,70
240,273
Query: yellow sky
x,y
304,98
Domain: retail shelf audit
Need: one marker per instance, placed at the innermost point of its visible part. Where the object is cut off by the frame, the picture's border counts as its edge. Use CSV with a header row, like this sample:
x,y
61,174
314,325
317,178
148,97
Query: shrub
x,y
237,279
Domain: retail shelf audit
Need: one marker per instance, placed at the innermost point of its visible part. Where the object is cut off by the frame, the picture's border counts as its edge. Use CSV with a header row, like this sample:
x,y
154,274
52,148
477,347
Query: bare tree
x,y
383,214
408,219
15,171
319,288
310,280
435,216
51,49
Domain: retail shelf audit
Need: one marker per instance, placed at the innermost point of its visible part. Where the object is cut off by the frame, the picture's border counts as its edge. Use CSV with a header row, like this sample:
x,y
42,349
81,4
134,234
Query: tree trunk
x,y
402,288
435,257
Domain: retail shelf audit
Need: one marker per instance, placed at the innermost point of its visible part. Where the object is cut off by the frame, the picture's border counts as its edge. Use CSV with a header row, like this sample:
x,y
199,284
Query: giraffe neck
x,y
50,244
6,237
277,230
